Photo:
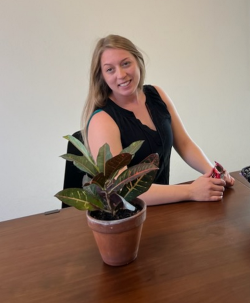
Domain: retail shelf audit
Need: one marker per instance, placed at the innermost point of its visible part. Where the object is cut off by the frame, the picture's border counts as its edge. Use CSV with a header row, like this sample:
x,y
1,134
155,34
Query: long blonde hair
x,y
98,89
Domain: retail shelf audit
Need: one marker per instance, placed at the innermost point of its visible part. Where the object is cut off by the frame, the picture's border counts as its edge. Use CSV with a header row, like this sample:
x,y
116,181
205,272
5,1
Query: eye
x,y
126,63
109,70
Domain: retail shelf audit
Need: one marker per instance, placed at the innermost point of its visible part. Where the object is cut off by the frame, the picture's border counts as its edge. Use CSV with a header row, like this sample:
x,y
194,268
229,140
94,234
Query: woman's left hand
x,y
229,179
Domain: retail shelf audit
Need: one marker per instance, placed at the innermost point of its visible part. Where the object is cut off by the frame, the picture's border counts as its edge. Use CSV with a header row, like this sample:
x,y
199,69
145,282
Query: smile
x,y
124,83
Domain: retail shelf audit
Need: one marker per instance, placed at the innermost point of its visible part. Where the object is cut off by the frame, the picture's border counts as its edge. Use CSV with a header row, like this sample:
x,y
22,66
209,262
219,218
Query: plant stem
x,y
108,202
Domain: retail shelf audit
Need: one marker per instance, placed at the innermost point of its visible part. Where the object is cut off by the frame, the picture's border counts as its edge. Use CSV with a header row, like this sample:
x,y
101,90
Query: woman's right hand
x,y
206,188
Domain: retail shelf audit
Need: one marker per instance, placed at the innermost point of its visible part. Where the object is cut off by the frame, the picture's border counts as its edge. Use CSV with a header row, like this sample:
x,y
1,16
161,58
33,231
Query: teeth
x,y
124,84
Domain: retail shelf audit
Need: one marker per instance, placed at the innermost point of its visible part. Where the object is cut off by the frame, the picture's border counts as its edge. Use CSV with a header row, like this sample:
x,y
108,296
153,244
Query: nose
x,y
120,73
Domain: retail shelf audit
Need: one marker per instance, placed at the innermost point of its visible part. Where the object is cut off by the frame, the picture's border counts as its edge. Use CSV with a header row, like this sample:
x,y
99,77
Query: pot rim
x,y
113,224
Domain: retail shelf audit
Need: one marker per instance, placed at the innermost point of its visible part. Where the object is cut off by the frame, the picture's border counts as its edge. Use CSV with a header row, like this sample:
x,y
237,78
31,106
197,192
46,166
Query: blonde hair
x,y
98,89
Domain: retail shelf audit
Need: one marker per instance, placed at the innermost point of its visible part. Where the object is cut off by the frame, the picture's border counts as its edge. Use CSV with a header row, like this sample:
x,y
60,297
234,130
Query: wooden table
x,y
189,252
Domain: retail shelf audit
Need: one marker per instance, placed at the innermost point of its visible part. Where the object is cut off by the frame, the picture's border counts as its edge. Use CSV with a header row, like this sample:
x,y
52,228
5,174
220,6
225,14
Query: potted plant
x,y
109,194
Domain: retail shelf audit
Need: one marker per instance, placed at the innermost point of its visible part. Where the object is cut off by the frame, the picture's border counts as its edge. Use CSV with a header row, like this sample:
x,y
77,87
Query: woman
x,y
120,110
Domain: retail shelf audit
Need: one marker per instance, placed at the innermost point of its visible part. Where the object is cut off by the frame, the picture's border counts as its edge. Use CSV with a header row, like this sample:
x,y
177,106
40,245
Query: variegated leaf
x,y
140,185
133,147
116,163
137,187
93,189
131,174
86,180
99,179
126,204
103,156
82,163
80,199
81,147
153,158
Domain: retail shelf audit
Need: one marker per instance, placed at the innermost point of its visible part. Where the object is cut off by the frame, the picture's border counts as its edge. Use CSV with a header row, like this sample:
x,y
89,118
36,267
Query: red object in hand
x,y
218,171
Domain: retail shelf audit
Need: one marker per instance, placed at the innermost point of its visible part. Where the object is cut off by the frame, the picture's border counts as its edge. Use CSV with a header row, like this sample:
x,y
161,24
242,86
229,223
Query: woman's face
x,y
120,71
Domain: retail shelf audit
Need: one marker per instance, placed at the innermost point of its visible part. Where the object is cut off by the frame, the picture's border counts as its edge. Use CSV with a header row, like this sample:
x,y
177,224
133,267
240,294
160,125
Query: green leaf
x,y
86,180
82,163
126,204
115,202
131,174
81,147
103,156
118,202
93,189
133,147
116,163
80,199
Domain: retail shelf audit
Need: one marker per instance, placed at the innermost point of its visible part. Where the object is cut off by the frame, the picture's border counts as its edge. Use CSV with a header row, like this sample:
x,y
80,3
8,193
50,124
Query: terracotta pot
x,y
118,240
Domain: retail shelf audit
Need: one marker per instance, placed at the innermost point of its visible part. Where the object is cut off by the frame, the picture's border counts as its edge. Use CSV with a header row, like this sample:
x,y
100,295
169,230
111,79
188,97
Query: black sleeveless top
x,y
131,130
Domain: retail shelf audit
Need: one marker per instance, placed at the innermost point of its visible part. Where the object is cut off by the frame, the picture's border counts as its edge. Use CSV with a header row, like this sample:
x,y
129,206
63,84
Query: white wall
x,y
197,50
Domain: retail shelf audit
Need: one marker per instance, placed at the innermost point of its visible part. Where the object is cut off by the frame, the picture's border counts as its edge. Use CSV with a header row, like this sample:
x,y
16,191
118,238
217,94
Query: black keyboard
x,y
246,173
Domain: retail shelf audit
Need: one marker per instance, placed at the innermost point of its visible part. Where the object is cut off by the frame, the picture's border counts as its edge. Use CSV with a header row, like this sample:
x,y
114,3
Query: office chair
x,y
73,175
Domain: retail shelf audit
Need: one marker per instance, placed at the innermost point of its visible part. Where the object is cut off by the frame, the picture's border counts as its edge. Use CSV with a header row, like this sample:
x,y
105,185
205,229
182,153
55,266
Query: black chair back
x,y
73,176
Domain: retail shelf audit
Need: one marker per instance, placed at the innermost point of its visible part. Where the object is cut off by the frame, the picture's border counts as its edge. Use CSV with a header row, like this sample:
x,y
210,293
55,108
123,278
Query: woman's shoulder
x,y
157,93
99,117
154,90
149,88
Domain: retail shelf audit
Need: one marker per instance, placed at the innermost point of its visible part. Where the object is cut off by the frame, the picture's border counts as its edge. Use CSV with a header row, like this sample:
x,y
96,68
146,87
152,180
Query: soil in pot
x,y
120,214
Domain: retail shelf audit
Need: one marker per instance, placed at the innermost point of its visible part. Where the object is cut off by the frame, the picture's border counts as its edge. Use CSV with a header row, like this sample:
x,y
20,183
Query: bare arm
x,y
186,147
103,129
183,144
